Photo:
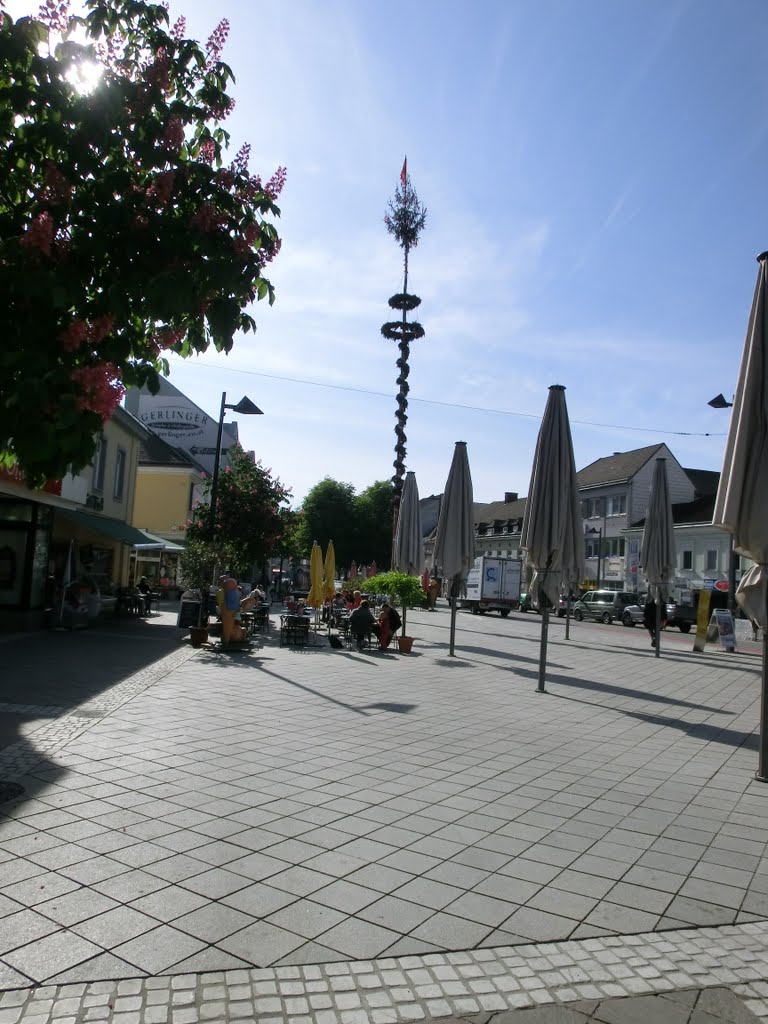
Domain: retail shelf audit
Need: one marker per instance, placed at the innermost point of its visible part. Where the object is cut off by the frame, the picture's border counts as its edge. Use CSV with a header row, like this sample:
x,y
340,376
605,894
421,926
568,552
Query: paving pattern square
x,y
312,806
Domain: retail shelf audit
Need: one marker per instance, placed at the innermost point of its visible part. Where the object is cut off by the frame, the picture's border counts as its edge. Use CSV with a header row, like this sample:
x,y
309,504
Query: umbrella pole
x,y
452,639
568,615
658,627
762,764
543,649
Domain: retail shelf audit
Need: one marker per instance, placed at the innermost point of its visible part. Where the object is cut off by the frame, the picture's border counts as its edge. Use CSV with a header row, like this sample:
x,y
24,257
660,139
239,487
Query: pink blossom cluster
x,y
216,42
274,186
161,189
54,14
173,136
207,218
81,332
57,190
100,388
225,177
242,244
159,71
166,338
220,111
39,234
240,164
208,151
179,29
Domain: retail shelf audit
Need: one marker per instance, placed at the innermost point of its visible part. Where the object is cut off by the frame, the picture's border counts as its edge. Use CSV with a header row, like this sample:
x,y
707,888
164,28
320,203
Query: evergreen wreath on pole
x,y
405,219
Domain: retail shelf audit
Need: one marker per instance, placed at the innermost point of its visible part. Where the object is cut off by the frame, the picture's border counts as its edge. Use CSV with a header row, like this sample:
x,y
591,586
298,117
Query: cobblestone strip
x,y
413,988
24,755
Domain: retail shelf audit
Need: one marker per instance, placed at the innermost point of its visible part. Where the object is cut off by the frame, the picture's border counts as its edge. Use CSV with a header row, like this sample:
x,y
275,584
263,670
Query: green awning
x,y
113,528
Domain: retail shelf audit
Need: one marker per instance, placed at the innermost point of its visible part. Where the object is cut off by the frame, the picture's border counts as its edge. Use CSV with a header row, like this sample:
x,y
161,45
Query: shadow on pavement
x,y
620,691
698,730
46,675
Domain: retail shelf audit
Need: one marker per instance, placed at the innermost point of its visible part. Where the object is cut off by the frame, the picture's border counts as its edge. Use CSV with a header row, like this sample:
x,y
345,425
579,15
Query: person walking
x,y
649,618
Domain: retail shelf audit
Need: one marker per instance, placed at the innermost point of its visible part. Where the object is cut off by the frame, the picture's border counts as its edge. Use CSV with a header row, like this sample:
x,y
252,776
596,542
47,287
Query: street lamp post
x,y
244,407
721,402
599,532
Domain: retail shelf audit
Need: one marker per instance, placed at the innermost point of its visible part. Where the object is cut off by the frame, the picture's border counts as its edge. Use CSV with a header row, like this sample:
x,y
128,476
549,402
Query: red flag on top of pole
x,y
404,172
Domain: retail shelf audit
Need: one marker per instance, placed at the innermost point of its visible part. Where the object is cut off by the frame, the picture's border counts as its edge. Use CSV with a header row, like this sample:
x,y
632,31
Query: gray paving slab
x,y
391,806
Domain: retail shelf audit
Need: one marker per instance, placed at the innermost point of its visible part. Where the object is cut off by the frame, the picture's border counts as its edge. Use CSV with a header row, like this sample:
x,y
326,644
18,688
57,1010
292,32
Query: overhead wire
x,y
451,405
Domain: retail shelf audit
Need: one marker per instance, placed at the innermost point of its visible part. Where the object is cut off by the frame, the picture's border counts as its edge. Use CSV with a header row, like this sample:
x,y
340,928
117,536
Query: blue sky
x,y
594,177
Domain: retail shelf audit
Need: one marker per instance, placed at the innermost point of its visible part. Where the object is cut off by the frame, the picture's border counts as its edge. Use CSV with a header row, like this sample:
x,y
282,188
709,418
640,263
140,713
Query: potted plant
x,y
403,590
197,566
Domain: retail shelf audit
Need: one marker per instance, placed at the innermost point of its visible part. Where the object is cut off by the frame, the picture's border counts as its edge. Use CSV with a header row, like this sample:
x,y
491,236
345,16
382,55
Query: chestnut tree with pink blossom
x,y
251,518
125,233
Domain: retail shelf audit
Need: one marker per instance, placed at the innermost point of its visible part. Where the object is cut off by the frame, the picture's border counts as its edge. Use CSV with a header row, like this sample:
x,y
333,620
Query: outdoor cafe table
x,y
294,630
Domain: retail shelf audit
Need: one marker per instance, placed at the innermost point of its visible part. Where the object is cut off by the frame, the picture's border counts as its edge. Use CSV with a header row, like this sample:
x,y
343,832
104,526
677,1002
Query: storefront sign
x,y
15,476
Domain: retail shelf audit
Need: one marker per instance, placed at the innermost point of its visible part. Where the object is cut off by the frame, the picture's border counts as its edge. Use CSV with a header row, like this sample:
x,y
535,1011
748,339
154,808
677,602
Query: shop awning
x,y
157,543
107,527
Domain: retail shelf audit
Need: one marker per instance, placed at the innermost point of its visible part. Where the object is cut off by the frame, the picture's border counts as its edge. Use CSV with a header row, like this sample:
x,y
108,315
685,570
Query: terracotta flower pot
x,y
405,643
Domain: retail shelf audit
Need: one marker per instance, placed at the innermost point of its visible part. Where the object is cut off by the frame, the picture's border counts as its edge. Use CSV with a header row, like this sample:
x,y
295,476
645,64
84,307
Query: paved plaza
x,y
317,835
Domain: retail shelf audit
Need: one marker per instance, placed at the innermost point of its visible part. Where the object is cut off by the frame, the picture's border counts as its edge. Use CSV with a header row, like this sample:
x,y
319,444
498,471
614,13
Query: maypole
x,y
405,220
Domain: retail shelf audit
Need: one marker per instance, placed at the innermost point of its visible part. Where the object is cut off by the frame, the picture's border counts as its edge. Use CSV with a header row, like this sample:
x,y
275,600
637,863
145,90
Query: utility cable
x,y
450,405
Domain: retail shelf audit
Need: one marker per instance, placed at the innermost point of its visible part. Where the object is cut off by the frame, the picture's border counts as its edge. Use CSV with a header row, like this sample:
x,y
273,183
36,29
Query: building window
x,y
120,474
711,560
614,546
616,505
100,466
687,559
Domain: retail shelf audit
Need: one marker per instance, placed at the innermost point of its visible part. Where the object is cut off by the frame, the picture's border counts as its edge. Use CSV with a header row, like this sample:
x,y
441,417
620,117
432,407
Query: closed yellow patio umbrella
x,y
315,596
329,573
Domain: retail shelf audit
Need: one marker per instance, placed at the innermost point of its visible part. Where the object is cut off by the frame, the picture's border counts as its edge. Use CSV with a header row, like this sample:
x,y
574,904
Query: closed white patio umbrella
x,y
657,550
408,547
552,533
741,506
455,539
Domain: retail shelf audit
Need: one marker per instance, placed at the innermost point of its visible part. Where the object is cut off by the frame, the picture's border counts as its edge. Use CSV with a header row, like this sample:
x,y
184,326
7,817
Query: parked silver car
x,y
633,613
603,605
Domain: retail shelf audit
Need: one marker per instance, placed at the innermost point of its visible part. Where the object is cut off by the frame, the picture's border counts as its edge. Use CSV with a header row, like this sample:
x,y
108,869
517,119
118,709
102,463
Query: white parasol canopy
x,y
408,548
552,533
657,550
742,498
455,541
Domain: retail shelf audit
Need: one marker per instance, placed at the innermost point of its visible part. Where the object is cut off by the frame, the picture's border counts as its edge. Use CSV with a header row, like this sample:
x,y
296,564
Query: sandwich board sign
x,y
722,622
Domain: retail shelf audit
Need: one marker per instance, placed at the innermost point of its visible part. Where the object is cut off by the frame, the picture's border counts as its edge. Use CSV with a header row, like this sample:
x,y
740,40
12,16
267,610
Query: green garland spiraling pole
x,y
405,219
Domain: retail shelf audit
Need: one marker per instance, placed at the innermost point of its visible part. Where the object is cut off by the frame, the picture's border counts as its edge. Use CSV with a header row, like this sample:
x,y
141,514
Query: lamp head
x,y
245,407
720,402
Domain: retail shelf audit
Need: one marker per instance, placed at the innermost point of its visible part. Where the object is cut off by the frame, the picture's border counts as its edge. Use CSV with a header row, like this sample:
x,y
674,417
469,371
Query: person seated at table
x,y
362,624
389,623
356,601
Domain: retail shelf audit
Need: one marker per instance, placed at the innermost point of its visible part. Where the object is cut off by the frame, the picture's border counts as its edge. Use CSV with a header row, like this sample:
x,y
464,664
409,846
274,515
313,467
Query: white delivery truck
x,y
493,585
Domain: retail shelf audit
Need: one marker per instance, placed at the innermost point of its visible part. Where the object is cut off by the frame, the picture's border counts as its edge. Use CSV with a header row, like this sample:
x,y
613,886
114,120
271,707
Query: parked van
x,y
603,605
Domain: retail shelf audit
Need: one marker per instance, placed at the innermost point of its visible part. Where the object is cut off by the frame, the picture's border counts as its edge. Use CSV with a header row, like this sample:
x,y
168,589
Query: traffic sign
x,y
721,585
708,584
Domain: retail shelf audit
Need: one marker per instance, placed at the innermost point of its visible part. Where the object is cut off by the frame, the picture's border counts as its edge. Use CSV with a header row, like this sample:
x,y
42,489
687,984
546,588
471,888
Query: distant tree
x,y
373,519
123,234
328,513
